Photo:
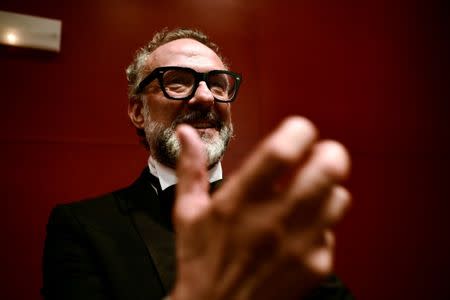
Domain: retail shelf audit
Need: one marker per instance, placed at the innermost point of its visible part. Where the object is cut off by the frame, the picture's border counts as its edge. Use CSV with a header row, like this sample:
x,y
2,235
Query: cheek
x,y
224,111
163,111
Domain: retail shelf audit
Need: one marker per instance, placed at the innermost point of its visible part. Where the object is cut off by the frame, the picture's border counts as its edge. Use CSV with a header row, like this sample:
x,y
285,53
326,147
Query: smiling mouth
x,y
200,120
203,125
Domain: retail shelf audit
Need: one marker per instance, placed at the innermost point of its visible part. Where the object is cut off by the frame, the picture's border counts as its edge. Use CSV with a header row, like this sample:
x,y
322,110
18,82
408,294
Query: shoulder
x,y
109,212
85,206
97,213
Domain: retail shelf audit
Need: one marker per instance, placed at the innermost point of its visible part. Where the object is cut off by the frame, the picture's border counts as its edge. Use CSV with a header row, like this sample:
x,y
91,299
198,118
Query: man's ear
x,y
135,112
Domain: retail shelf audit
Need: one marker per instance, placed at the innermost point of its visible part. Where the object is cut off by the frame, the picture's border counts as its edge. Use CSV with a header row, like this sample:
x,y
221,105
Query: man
x,y
265,233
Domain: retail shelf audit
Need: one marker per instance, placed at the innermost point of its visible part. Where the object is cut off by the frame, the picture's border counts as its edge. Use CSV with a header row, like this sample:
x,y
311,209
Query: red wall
x,y
372,74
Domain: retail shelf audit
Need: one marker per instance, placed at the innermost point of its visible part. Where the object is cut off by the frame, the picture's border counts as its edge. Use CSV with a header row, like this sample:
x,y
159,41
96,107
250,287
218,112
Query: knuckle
x,y
277,152
222,209
266,238
191,216
257,231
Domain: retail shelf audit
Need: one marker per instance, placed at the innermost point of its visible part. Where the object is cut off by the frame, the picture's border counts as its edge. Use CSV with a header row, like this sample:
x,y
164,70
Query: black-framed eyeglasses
x,y
180,83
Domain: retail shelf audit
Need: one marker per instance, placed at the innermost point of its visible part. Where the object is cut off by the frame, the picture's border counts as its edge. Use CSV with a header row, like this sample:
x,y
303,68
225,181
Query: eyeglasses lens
x,y
180,83
222,85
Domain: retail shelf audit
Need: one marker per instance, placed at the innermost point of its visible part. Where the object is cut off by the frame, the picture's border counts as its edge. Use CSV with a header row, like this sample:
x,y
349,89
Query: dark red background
x,y
372,74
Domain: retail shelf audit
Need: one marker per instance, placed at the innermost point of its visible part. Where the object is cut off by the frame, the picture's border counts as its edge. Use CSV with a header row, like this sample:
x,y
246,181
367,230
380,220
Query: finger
x,y
320,260
192,187
315,214
335,159
314,199
318,253
312,253
328,164
335,207
320,257
279,152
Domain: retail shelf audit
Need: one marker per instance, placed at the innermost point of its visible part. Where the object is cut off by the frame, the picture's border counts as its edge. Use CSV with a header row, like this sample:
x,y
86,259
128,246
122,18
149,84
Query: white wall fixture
x,y
30,31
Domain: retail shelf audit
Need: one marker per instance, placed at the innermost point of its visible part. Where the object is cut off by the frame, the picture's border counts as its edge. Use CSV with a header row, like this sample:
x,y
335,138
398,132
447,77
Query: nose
x,y
202,96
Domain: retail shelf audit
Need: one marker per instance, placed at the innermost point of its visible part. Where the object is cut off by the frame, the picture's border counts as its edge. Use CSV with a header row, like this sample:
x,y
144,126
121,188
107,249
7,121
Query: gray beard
x,y
164,144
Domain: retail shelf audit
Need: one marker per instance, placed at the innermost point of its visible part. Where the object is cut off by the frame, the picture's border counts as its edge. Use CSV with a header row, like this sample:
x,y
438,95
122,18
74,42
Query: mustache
x,y
190,117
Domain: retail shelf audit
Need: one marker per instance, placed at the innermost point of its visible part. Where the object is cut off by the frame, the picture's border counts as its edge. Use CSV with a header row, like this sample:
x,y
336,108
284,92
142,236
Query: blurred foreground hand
x,y
266,232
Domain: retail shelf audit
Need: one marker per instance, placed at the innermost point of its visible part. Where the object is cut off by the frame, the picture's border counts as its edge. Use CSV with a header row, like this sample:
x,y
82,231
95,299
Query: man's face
x,y
161,115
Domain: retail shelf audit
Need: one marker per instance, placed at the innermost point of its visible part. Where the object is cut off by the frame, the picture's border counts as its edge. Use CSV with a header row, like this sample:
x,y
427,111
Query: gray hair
x,y
139,68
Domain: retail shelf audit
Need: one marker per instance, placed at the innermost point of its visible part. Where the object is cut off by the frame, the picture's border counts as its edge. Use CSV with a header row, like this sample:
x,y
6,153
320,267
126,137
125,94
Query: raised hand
x,y
266,233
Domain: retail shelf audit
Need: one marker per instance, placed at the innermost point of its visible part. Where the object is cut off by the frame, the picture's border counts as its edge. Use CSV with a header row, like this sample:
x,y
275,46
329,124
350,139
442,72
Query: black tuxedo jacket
x,y
121,246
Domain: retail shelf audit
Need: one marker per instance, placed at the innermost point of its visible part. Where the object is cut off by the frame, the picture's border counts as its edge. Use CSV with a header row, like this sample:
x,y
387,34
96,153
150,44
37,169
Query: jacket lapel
x,y
161,247
150,210
151,217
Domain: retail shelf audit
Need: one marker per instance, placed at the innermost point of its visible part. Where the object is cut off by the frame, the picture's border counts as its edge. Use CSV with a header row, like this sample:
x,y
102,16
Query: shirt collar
x,y
167,176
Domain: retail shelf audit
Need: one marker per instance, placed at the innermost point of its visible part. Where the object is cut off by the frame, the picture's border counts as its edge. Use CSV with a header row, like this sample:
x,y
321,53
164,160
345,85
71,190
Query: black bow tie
x,y
169,192
166,198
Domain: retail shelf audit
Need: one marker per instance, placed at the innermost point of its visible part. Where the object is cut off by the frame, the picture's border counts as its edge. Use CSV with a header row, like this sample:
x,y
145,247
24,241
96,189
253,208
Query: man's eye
x,y
219,85
177,86
178,78
179,81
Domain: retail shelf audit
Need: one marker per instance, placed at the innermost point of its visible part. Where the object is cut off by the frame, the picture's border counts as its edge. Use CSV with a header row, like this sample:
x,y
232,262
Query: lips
x,y
200,120
202,125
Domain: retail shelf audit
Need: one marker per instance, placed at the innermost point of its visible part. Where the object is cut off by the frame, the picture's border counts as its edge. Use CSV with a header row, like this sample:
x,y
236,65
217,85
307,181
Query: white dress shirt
x,y
167,176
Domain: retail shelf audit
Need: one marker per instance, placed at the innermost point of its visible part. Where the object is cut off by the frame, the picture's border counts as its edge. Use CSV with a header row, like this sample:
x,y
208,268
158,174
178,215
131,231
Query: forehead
x,y
185,53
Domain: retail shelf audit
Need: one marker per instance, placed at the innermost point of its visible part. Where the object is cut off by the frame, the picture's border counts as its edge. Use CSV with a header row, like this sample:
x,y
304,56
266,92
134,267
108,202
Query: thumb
x,y
193,185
